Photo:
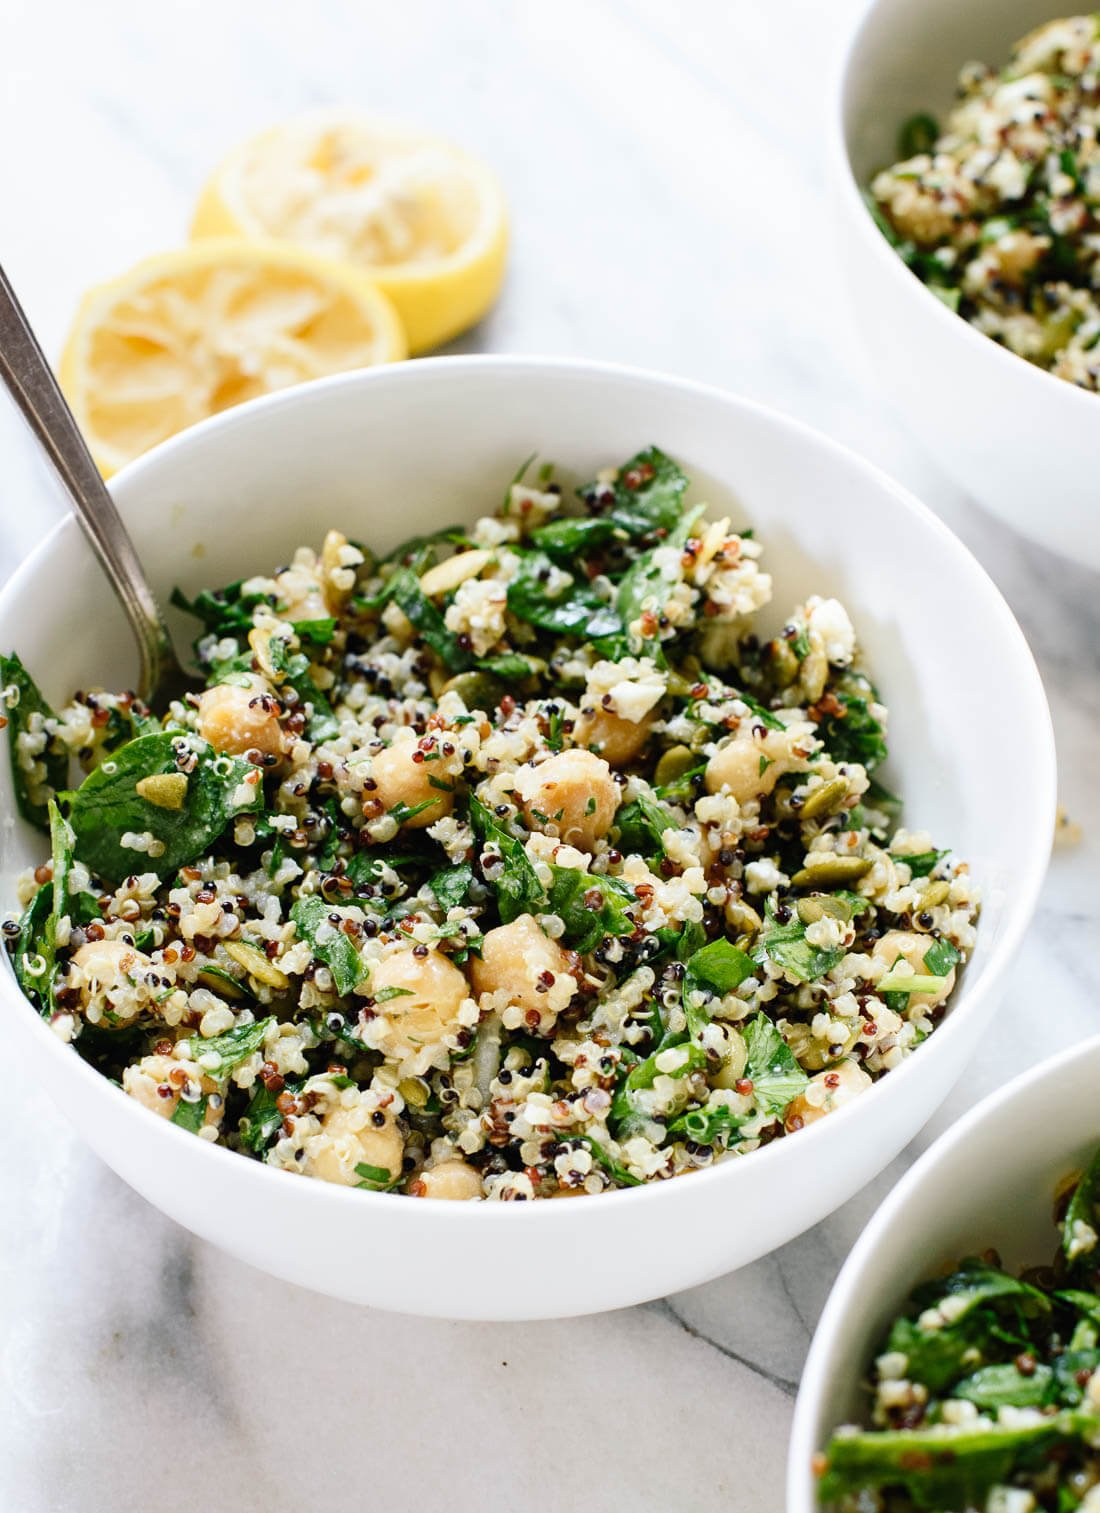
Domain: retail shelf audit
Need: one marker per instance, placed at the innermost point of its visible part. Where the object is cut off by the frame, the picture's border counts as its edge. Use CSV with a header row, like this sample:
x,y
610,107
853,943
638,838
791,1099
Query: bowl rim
x,y
1030,694
831,1326
856,211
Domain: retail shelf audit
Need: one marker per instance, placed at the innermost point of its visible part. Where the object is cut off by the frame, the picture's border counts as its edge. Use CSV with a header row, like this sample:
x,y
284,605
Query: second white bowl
x,y
1025,444
989,1181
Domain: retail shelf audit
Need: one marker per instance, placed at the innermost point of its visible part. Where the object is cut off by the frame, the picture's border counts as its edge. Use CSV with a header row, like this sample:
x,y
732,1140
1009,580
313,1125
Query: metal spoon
x,y
31,383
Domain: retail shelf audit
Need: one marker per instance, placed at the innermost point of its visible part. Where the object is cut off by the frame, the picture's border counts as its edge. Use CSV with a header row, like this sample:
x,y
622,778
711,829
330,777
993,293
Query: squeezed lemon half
x,y
186,334
425,220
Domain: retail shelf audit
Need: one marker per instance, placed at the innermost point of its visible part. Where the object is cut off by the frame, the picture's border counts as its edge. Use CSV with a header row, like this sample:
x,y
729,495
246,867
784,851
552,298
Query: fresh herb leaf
x,y
1083,1210
312,918
25,716
293,670
107,805
222,1054
517,886
374,1176
603,1157
713,972
940,958
1004,1385
643,1074
573,610
920,863
403,589
570,537
918,134
591,906
760,711
318,632
943,1466
420,552
261,1119
776,1076
963,1329
386,995
683,789
642,824
787,946
190,1116
652,576
451,885
854,735
223,611
647,494
33,961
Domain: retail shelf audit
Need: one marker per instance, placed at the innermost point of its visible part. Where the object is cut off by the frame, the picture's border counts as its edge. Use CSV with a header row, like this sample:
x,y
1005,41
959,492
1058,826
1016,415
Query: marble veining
x,y
665,169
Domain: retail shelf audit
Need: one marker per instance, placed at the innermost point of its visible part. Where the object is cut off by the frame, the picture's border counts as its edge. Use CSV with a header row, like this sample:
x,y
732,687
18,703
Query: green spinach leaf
x,y
572,609
25,715
646,495
591,907
314,920
642,824
516,885
712,972
293,670
222,1054
451,885
786,945
107,806
854,735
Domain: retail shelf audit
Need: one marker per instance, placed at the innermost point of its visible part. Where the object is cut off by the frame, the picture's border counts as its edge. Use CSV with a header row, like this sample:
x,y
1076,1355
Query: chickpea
x,y
1014,256
349,1137
455,1180
533,970
573,791
735,767
842,1082
400,780
236,719
105,963
417,1018
907,945
617,740
157,1082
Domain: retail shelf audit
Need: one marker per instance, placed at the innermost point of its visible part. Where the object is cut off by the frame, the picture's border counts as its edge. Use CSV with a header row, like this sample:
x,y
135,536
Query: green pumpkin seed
x,y
477,690
935,893
783,663
217,980
673,764
825,799
743,918
832,870
819,904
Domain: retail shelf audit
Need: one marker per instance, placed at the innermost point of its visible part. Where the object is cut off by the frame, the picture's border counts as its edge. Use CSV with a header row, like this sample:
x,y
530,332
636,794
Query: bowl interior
x,y
989,1181
907,57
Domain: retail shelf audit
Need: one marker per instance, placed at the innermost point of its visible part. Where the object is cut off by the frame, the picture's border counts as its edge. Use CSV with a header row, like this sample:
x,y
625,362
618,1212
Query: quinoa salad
x,y
513,864
986,1396
999,211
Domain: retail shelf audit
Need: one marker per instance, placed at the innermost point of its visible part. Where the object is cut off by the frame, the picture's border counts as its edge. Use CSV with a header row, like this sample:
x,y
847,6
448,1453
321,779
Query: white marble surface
x,y
664,167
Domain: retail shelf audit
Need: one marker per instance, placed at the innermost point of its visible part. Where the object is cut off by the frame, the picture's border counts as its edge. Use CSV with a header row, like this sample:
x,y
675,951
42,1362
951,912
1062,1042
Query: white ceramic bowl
x,y
392,452
989,1181
1023,443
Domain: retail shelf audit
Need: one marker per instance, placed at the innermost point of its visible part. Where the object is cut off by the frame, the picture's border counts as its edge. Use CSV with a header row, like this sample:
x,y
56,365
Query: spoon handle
x,y
31,383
